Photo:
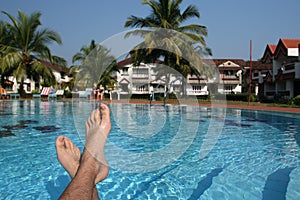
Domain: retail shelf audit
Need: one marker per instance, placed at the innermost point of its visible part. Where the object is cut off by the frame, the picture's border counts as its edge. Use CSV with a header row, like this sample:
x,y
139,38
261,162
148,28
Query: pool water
x,y
154,151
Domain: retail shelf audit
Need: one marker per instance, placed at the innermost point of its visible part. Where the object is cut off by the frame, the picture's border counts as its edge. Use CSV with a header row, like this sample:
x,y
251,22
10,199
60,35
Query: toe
x,y
105,113
59,141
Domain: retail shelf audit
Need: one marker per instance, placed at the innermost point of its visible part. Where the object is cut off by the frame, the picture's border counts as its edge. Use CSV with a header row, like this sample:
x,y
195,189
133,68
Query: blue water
x,y
155,152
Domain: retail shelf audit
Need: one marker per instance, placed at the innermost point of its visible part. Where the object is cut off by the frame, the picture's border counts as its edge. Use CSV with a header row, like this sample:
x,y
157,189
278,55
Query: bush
x,y
34,92
172,96
235,97
68,94
295,101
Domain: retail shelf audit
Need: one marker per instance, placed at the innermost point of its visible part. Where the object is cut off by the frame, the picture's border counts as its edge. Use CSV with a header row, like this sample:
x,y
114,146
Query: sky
x,y
231,24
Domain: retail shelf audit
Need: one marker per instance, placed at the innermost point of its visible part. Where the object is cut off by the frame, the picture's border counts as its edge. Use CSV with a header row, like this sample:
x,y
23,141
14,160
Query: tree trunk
x,y
21,90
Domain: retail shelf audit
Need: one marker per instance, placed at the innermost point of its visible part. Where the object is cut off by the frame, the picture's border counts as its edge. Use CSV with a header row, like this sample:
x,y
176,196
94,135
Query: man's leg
x,y
93,166
68,154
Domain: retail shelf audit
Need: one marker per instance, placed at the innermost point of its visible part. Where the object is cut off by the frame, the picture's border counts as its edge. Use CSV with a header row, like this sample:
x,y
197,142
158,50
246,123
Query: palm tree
x,y
107,81
26,46
3,40
95,68
172,40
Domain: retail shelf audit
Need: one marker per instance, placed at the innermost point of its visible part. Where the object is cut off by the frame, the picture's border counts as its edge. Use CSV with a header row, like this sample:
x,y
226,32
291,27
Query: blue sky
x,y
231,24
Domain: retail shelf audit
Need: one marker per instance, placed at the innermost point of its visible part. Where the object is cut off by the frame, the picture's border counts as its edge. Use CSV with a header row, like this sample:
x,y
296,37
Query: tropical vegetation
x,y
96,67
169,37
24,48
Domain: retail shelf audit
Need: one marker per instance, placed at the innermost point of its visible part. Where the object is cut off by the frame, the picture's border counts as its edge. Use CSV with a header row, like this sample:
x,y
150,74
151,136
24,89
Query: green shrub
x,y
68,94
34,92
172,96
235,97
295,101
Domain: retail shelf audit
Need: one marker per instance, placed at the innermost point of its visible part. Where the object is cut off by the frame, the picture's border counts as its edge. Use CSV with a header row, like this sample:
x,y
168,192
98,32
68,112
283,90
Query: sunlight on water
x,y
255,157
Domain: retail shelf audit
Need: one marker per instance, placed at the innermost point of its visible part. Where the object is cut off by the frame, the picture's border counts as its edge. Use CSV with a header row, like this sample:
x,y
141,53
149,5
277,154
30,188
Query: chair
x,y
14,95
56,94
60,92
3,94
45,92
86,94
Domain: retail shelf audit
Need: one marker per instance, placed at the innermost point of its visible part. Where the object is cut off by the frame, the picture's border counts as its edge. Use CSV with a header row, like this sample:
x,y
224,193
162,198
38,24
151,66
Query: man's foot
x,y
98,128
68,154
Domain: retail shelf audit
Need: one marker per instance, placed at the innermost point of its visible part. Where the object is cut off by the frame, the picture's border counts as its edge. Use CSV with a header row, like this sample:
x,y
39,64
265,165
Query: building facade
x,y
61,76
283,79
148,79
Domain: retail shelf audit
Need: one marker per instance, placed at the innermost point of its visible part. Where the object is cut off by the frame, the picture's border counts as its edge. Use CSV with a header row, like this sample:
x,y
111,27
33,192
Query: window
x,y
141,88
140,73
196,87
229,87
125,70
124,87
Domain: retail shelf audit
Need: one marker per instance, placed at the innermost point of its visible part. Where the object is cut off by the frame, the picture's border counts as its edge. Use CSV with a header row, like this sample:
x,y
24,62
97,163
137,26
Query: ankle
x,y
89,162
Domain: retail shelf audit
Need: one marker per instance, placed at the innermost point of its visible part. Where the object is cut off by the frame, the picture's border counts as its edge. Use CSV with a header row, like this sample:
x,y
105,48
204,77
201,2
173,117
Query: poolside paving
x,y
265,107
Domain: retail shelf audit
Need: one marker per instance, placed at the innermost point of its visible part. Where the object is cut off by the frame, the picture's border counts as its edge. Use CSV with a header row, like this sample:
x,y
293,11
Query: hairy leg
x,y
68,154
93,165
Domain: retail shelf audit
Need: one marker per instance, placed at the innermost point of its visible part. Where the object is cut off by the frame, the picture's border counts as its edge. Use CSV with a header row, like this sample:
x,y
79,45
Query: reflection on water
x,y
256,156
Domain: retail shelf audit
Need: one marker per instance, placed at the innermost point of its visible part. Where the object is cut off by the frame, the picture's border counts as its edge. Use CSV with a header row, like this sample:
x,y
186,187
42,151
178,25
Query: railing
x,y
223,76
140,76
289,67
197,92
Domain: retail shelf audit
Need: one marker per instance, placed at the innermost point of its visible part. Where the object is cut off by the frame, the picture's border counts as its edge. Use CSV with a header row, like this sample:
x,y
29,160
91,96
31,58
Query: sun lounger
x,y
56,94
36,95
3,94
86,94
14,95
60,92
45,92
52,96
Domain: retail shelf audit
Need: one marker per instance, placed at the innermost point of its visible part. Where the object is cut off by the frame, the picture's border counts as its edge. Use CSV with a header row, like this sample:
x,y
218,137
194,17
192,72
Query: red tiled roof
x,y
290,43
272,47
283,45
124,62
258,65
52,66
239,62
280,48
218,62
269,52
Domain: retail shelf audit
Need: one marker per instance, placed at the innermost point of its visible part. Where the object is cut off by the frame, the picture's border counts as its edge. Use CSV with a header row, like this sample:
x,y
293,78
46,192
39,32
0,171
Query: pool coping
x,y
224,105
249,107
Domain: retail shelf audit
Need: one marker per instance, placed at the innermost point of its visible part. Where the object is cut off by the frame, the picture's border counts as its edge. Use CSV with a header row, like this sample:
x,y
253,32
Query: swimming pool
x,y
255,156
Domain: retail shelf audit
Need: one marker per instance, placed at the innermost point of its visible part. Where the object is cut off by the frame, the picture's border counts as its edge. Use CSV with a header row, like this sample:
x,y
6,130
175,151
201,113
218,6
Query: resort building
x,y
148,79
61,76
277,74
283,79
144,79
230,75
259,72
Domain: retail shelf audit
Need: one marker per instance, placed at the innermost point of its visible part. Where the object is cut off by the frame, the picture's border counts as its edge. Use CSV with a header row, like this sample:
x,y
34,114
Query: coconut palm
x,y
107,81
166,14
96,66
176,42
27,47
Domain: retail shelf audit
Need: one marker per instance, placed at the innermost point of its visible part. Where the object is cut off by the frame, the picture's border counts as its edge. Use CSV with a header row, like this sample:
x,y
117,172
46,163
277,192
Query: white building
x,y
147,79
12,85
284,78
